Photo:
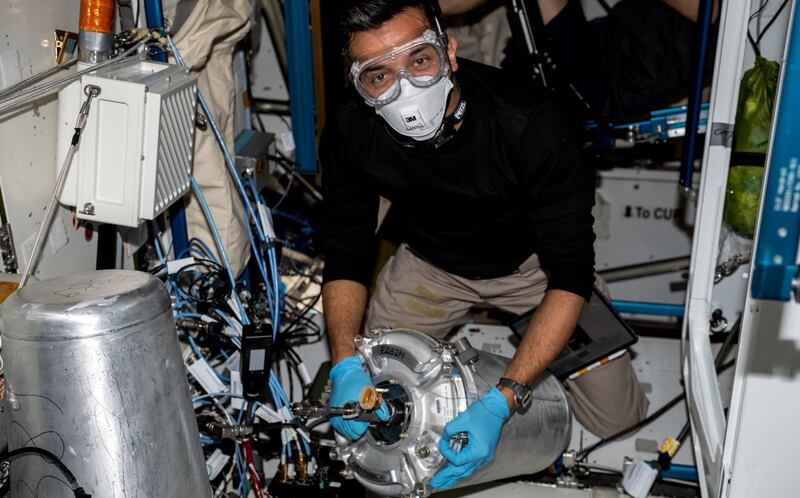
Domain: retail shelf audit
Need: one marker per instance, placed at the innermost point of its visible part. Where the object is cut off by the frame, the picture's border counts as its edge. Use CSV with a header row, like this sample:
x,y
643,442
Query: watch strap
x,y
522,393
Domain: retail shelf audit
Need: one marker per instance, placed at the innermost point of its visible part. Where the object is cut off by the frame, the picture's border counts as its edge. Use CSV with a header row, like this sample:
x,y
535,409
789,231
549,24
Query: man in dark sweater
x,y
495,208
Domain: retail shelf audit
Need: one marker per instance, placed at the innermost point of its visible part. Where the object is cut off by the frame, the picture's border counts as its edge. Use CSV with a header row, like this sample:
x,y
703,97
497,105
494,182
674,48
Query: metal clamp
x,y
88,209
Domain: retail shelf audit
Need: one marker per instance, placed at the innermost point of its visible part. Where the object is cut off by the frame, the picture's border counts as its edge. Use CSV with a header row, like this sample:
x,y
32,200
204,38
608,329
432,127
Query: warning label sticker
x,y
787,197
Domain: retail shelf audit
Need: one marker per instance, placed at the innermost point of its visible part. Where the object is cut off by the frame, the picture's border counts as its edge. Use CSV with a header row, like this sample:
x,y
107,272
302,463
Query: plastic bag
x,y
750,143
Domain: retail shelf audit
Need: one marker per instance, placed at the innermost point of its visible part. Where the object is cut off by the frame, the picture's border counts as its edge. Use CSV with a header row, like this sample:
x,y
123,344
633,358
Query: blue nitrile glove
x,y
349,379
483,422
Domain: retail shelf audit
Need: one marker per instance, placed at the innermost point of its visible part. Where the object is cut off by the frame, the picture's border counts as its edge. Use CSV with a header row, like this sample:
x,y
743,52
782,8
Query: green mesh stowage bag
x,y
750,144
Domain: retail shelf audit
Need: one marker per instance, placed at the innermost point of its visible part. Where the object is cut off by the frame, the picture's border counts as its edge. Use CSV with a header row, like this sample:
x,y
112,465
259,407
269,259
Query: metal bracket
x,y
65,43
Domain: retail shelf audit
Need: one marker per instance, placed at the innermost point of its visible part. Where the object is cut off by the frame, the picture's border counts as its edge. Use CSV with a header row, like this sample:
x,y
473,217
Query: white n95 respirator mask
x,y
417,112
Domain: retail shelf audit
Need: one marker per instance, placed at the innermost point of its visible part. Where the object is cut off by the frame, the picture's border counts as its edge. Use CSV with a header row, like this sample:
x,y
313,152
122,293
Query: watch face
x,y
526,399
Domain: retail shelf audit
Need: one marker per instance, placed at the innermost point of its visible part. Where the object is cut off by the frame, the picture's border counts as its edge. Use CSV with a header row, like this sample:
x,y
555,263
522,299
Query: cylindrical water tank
x,y
94,375
427,383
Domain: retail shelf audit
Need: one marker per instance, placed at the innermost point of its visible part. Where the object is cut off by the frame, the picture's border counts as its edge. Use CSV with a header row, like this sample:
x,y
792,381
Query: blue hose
x,y
694,109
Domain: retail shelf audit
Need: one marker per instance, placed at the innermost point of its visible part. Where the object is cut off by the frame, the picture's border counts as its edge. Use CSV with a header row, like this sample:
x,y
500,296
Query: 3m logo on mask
x,y
417,112
413,118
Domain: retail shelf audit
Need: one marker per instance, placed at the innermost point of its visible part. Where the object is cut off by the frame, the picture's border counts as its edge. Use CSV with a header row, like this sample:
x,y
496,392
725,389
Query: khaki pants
x,y
412,293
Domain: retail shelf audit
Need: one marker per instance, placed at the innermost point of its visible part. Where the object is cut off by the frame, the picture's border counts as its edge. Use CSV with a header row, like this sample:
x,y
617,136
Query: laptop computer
x,y
601,333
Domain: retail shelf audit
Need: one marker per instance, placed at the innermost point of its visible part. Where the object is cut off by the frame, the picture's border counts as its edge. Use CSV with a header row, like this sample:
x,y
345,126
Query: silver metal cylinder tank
x,y
427,383
94,375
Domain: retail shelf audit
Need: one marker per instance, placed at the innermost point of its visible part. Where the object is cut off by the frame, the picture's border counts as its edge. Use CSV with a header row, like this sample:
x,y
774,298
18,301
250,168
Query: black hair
x,y
363,15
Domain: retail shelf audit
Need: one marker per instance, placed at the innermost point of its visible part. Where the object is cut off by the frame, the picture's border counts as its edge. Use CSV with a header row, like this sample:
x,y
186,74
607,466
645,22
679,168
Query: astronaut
x,y
494,207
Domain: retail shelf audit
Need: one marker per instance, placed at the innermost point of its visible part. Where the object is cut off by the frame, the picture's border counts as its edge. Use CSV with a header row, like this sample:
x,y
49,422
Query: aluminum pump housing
x,y
427,383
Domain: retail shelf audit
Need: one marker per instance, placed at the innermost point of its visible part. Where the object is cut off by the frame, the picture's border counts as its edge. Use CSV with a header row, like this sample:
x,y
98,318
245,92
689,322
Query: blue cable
x,y
226,318
201,357
157,243
194,251
185,299
271,296
204,440
220,246
209,254
273,257
259,261
275,306
189,314
232,168
242,460
277,390
218,135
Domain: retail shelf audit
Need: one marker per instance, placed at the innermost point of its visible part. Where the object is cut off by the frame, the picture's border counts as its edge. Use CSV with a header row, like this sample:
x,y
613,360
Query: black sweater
x,y
507,185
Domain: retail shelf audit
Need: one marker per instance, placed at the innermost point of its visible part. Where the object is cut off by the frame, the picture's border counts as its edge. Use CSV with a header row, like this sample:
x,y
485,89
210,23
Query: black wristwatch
x,y
522,393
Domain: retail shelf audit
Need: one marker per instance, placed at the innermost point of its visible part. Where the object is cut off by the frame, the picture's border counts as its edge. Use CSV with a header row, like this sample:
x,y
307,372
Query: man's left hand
x,y
483,422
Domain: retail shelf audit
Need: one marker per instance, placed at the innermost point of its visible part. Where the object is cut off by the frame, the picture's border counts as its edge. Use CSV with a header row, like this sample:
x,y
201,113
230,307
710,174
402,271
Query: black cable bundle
x,y
51,458
205,282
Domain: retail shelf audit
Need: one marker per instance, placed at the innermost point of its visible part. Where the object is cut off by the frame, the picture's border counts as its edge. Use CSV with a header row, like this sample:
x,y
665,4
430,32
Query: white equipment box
x,y
641,217
135,157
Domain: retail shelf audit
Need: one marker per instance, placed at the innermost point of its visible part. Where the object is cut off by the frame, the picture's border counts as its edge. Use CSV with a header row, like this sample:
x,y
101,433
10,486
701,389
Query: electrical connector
x,y
255,367
80,493
666,452
283,473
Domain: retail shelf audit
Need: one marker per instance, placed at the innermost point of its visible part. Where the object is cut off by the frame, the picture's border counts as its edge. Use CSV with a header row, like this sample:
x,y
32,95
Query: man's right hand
x,y
349,380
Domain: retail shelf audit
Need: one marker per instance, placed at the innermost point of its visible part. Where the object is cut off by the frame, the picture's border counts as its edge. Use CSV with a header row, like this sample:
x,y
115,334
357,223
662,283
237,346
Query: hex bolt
x,y
334,455
447,368
379,443
378,331
439,349
423,452
403,435
358,340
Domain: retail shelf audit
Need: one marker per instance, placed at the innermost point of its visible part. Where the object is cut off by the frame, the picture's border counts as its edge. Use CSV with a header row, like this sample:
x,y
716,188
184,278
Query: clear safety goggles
x,y
422,62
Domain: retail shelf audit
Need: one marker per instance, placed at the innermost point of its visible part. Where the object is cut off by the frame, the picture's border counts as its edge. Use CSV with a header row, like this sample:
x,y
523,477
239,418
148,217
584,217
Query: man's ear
x,y
452,46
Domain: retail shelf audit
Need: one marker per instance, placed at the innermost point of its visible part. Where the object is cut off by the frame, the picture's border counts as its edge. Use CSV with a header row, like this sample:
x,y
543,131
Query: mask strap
x,y
461,107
